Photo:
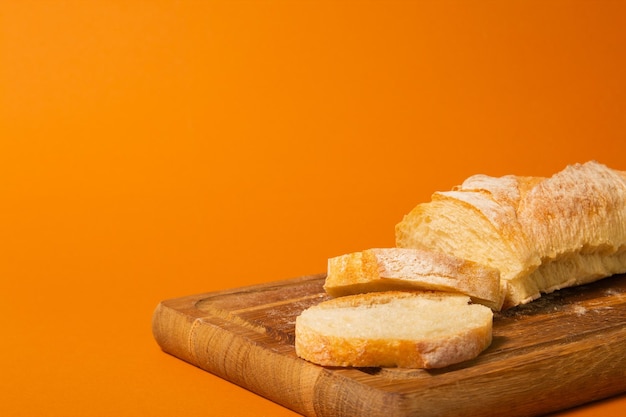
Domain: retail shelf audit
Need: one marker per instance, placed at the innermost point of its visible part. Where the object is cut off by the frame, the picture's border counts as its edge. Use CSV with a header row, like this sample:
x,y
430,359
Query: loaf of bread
x,y
385,269
501,241
389,329
542,234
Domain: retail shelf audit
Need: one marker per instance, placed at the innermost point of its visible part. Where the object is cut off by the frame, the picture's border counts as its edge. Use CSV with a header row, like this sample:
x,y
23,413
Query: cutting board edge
x,y
171,327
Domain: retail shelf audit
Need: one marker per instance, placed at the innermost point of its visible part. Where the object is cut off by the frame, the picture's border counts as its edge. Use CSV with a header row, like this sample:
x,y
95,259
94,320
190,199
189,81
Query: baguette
x,y
542,234
385,269
501,241
393,329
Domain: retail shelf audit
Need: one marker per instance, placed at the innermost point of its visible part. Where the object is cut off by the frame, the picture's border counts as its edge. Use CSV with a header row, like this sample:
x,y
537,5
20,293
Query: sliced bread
x,y
420,329
385,269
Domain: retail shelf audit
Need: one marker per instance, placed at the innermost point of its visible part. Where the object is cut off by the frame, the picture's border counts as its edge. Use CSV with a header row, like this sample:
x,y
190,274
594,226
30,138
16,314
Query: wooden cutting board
x,y
565,349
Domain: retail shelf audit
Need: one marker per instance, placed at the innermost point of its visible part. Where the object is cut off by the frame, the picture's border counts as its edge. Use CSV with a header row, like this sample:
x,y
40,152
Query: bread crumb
x,y
580,310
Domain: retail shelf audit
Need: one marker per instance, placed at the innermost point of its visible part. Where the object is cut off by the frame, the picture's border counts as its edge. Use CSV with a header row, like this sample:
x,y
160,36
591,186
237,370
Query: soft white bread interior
x,y
542,234
389,329
385,269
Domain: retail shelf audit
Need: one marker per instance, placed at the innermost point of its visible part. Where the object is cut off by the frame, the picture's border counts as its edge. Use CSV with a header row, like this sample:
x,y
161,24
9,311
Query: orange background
x,y
156,149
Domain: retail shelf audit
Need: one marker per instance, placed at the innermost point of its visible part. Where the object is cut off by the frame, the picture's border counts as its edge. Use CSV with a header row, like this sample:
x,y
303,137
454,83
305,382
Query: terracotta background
x,y
156,149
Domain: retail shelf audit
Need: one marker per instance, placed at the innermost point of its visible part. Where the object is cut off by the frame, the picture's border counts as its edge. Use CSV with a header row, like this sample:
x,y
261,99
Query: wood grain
x,y
563,350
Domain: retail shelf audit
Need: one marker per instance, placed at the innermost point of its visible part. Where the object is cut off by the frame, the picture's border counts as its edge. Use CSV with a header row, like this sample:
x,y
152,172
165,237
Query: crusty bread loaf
x,y
502,241
542,234
404,329
385,269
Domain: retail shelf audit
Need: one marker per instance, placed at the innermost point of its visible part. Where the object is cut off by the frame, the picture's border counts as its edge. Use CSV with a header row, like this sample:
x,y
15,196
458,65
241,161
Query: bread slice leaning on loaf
x,y
385,269
542,234
394,329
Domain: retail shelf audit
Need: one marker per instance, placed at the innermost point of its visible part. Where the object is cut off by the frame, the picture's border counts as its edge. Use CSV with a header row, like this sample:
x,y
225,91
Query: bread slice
x,y
542,234
385,269
394,329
